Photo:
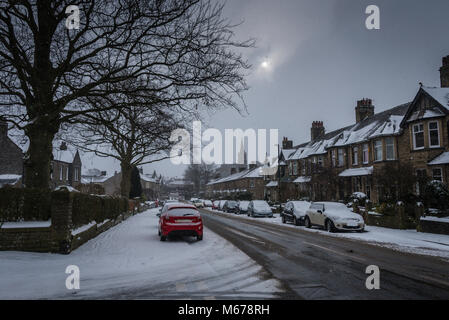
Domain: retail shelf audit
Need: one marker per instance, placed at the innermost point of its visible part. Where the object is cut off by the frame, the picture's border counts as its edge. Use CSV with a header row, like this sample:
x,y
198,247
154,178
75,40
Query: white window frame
x,y
441,173
365,148
377,159
75,174
355,156
386,148
61,172
295,168
414,136
334,158
340,152
67,173
438,134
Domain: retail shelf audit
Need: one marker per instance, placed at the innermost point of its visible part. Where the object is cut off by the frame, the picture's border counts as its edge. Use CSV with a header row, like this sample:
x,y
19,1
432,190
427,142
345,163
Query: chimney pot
x,y
444,73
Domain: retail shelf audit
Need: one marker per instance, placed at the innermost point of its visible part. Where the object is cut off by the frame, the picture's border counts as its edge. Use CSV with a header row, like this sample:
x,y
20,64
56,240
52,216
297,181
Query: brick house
x,y
11,158
65,168
415,133
249,181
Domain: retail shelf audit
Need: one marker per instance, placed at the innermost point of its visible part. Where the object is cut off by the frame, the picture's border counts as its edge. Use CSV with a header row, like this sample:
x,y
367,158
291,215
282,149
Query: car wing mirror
x,y
158,214
319,211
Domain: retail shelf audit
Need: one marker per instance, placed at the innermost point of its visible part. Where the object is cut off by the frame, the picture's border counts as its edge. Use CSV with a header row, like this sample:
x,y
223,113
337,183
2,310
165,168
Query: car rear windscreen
x,y
180,212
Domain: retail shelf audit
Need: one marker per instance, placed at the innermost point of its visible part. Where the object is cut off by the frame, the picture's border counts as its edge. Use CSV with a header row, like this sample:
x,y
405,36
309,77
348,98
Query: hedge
x,y
87,208
24,204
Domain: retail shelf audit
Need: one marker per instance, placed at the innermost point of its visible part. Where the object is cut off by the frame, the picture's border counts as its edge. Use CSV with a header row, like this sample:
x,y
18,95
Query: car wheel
x,y
330,226
307,223
163,238
295,221
199,238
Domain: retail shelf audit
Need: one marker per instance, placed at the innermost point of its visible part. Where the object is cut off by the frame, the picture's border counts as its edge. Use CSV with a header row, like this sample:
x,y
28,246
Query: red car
x,y
180,219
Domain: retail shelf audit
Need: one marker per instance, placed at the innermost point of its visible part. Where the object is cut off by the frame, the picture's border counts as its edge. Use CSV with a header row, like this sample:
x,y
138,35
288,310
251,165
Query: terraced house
x,y
333,165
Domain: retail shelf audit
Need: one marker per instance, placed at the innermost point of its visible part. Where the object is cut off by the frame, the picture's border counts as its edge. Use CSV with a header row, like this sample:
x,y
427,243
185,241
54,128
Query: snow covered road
x,y
129,261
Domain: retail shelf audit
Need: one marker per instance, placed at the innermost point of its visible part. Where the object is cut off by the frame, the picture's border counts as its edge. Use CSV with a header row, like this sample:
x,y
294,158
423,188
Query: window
x,y
341,157
421,175
67,173
333,158
251,184
290,168
76,174
60,173
295,168
365,153
378,150
303,166
434,138
389,144
437,174
418,136
355,156
51,171
320,162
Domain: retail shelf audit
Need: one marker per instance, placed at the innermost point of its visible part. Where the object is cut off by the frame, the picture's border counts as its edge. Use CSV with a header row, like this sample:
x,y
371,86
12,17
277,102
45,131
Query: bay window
x,y
437,174
341,158
355,156
434,138
378,150
365,153
418,136
389,144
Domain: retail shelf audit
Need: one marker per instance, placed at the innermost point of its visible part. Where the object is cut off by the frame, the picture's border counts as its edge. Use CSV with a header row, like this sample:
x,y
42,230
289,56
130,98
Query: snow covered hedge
x,y
87,208
22,204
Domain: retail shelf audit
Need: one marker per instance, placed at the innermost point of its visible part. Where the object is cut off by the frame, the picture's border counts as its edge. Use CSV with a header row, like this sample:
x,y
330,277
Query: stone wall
x,y
433,227
58,238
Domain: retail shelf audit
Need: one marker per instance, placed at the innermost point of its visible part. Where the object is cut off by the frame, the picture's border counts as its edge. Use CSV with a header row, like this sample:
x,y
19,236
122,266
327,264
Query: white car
x,y
207,203
333,216
221,204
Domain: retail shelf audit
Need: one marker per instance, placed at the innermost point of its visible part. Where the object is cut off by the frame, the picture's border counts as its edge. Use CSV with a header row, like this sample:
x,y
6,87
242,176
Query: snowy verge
x,y
25,224
409,241
129,261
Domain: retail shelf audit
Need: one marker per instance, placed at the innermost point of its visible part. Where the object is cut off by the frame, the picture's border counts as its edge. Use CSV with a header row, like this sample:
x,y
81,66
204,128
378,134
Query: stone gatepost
x,y
419,212
401,215
61,220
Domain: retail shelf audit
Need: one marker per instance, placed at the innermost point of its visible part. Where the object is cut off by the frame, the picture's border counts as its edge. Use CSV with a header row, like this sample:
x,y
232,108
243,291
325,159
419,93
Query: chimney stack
x,y
317,130
364,109
287,144
444,73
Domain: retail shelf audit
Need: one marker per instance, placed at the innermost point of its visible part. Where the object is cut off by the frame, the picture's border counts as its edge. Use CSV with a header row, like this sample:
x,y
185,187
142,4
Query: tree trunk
x,y
38,157
125,184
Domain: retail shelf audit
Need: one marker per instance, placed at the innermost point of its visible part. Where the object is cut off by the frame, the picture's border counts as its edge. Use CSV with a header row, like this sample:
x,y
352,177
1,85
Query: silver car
x,y
259,208
333,216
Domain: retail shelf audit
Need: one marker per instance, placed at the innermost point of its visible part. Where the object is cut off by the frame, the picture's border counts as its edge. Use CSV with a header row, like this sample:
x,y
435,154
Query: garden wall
x,y
74,218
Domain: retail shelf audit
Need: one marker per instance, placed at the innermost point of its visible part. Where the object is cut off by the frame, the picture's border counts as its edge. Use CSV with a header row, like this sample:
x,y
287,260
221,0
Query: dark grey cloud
x,y
322,59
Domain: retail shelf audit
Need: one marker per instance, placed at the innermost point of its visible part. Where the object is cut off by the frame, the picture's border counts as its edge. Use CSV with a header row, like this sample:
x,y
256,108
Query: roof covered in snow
x,y
248,173
441,159
302,179
385,123
355,172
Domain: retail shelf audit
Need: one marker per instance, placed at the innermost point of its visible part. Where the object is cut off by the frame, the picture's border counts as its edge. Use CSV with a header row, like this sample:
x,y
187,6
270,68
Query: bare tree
x,y
49,74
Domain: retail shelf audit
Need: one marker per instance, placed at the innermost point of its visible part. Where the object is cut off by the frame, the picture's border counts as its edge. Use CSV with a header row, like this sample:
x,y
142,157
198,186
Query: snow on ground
x,y
402,240
130,258
26,224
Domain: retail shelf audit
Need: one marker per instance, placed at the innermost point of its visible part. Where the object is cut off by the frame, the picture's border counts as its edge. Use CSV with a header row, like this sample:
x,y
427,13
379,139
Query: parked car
x,y
215,204
333,216
207,203
180,219
198,203
243,207
221,204
259,208
230,206
295,211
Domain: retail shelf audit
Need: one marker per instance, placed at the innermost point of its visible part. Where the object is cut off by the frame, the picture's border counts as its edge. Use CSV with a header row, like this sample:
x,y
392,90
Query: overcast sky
x,y
315,58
